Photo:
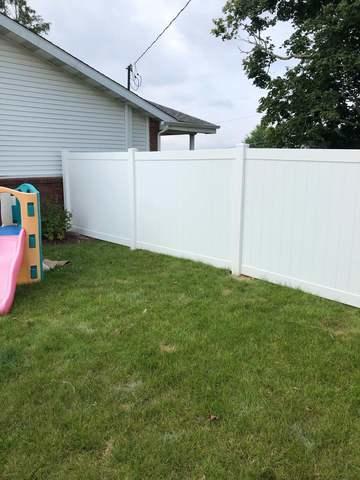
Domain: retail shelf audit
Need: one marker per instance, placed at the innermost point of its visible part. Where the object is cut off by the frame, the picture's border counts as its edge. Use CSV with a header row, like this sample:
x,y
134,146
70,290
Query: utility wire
x,y
162,33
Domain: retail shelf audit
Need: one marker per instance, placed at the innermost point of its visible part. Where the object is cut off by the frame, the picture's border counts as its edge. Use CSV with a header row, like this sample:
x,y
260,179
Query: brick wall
x,y
50,188
154,126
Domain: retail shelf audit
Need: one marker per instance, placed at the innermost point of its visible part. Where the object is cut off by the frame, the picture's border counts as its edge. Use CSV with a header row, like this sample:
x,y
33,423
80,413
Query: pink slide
x,y
12,244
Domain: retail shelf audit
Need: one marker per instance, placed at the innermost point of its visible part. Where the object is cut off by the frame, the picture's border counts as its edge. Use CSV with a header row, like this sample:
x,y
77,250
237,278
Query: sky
x,y
188,69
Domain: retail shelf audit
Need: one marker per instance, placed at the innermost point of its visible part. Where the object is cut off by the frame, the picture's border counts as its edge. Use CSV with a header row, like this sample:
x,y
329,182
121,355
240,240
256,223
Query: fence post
x,y
132,195
238,207
66,179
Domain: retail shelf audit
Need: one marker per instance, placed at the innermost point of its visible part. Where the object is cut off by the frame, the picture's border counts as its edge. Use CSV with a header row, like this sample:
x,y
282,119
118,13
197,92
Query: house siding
x,y
44,109
140,124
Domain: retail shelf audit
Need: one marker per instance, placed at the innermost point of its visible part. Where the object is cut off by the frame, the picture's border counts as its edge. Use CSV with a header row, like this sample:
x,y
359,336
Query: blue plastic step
x,y
10,230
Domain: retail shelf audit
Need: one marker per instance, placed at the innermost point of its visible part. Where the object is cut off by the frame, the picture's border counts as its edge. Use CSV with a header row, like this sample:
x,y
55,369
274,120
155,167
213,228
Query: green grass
x,y
110,368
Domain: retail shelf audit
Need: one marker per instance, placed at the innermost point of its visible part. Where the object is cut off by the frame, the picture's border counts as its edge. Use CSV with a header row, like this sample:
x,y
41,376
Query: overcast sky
x,y
188,69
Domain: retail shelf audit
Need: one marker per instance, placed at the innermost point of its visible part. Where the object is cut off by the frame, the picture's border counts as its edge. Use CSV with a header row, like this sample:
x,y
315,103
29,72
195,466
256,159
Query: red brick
x,y
154,127
50,188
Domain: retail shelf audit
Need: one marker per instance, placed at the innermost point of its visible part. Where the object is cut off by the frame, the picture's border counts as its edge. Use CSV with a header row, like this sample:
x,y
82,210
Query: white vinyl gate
x,y
290,216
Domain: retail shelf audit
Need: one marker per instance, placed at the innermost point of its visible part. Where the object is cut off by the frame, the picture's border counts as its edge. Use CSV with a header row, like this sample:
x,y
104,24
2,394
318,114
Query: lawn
x,y
131,365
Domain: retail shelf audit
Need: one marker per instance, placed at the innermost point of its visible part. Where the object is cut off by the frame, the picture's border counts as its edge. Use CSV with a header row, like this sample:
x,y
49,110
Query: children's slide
x,y
20,241
12,246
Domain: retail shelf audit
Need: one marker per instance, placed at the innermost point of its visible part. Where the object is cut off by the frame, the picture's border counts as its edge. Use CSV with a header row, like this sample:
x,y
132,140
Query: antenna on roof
x,y
129,69
134,78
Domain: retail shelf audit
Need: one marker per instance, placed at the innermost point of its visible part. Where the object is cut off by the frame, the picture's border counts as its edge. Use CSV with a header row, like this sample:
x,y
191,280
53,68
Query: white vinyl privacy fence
x,y
288,216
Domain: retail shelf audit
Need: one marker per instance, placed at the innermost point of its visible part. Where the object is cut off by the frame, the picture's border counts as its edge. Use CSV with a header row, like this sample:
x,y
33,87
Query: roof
x,y
51,52
186,119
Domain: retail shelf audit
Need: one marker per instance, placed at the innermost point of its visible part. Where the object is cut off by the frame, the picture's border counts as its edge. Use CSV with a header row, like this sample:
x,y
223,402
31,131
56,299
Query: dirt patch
x,y
345,332
85,328
71,238
172,436
242,278
184,299
167,348
226,292
340,328
129,387
108,448
125,407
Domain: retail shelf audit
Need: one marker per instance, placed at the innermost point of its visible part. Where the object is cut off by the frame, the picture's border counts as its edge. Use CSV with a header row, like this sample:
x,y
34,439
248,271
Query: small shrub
x,y
55,222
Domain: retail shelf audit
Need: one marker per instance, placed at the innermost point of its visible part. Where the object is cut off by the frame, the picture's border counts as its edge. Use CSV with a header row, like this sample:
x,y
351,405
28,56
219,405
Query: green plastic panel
x,y
32,241
34,272
31,209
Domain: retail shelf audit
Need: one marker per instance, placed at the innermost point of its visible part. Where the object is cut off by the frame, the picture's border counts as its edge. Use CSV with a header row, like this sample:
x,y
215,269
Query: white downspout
x,y
163,130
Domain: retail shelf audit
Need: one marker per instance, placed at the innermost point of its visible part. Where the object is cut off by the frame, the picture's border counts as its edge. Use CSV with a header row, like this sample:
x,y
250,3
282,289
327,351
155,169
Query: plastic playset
x,y
20,241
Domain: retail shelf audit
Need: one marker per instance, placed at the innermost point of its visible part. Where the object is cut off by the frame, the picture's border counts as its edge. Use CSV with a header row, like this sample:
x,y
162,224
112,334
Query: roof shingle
x,y
184,117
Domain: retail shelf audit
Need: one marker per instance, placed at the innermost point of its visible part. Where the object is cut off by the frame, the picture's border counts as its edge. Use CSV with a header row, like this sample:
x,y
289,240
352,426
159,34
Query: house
x,y
50,100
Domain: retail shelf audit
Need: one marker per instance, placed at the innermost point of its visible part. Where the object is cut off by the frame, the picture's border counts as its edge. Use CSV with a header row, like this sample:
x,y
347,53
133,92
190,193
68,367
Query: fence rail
x,y
290,216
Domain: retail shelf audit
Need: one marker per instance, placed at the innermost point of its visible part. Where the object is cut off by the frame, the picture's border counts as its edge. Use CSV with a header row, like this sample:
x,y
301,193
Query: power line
x,y
163,31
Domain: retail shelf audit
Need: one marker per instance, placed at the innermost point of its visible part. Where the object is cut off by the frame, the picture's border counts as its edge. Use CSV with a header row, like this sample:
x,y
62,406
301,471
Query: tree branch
x,y
258,41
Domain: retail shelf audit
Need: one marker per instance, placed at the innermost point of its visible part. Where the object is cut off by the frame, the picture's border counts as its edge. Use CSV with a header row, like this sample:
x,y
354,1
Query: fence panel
x,y
184,206
288,216
96,191
302,220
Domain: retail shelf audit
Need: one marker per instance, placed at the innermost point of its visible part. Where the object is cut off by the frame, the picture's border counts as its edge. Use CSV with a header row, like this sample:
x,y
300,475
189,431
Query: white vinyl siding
x,y
140,126
44,109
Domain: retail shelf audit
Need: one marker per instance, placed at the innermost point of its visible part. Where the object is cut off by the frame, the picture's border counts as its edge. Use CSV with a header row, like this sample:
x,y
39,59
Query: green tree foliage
x,y
316,102
261,137
20,11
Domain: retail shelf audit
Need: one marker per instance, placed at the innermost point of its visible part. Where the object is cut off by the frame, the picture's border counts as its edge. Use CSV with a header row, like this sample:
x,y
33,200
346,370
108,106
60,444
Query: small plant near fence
x,y
55,222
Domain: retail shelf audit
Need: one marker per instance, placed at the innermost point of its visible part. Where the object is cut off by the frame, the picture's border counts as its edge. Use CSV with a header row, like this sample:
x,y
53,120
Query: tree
x,y
261,137
20,11
316,102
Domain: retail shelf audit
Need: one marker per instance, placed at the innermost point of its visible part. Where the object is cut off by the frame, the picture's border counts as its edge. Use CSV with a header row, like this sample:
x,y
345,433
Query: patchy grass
x,y
130,365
